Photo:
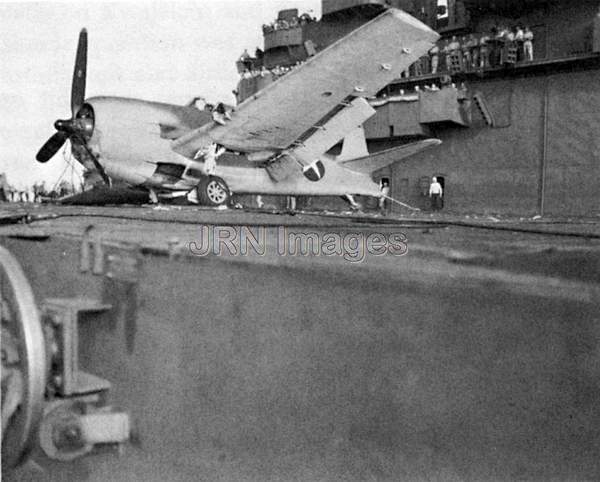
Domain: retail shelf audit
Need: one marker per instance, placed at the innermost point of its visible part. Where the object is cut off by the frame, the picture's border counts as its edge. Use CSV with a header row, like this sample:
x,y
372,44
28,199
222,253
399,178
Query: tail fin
x,y
379,160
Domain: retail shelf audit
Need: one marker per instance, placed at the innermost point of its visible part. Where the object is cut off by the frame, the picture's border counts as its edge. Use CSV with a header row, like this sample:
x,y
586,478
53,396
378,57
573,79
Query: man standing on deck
x,y
528,44
435,58
385,194
435,193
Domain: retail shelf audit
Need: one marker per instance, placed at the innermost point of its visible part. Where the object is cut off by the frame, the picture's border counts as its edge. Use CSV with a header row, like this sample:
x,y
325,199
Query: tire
x,y
213,191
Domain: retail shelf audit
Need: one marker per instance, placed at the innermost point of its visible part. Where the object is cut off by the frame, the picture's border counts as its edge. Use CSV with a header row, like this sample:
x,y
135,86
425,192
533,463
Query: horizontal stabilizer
x,y
379,160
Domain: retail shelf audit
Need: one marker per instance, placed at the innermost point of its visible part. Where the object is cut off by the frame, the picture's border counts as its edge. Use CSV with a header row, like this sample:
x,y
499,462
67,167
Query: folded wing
x,y
358,65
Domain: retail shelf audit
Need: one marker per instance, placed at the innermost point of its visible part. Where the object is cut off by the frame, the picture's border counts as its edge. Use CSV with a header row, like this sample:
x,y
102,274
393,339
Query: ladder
x,y
483,108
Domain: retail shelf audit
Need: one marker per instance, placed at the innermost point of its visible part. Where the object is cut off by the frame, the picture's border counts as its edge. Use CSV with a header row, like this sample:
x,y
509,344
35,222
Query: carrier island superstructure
x,y
519,128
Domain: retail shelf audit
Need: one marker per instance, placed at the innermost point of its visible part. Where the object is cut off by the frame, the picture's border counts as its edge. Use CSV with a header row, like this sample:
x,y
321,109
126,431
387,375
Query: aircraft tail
x,y
374,162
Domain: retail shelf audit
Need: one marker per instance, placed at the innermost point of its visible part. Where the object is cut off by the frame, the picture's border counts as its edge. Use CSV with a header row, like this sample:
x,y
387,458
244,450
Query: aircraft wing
x,y
358,65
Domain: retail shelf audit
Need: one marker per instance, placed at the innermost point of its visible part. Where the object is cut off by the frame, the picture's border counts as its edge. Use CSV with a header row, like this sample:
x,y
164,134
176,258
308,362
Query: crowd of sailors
x,y
501,46
283,24
34,193
252,66
274,73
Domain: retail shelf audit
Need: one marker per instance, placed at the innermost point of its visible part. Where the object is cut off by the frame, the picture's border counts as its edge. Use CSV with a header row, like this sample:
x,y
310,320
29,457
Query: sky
x,y
168,51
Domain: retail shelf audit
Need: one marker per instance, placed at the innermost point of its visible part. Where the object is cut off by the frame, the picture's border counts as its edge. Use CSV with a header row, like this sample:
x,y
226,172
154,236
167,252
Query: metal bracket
x,y
91,245
124,266
72,427
111,259
62,317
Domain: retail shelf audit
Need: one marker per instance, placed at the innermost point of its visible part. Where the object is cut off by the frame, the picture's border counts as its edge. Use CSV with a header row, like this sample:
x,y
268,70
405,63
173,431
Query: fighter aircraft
x,y
275,142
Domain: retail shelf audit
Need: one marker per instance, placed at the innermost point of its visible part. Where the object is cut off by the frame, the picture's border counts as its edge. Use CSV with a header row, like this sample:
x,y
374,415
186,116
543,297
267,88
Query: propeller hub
x,y
65,125
82,124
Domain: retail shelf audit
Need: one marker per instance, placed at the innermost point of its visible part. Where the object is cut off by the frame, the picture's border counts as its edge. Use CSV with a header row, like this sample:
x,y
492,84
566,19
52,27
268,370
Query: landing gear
x,y
23,362
213,191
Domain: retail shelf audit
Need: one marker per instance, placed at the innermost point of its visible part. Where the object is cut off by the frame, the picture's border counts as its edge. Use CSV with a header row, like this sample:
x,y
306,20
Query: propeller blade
x,y
79,74
97,164
51,146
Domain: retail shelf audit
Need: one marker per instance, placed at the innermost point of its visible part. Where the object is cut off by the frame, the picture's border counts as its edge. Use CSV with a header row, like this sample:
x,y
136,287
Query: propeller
x,y
79,128
79,74
51,146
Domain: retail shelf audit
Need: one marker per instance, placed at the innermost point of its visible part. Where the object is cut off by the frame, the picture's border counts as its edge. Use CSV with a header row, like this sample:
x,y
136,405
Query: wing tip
x,y
409,19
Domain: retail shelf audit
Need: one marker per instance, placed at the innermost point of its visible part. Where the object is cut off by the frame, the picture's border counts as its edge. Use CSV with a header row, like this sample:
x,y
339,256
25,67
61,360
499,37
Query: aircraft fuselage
x,y
132,138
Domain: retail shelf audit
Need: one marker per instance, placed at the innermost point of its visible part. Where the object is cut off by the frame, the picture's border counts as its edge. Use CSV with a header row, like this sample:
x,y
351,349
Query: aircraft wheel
x,y
213,191
24,366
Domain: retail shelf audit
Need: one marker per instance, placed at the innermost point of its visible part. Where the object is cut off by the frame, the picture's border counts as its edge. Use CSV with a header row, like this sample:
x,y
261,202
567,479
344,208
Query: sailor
x,y
218,117
528,44
435,58
435,193
466,52
454,45
454,51
520,39
291,203
502,38
473,46
220,114
419,66
306,18
445,81
385,194
519,34
245,55
210,155
446,53
484,51
510,46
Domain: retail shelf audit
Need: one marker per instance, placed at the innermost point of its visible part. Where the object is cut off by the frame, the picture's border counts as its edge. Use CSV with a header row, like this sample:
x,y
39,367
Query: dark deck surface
x,y
566,248
474,356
